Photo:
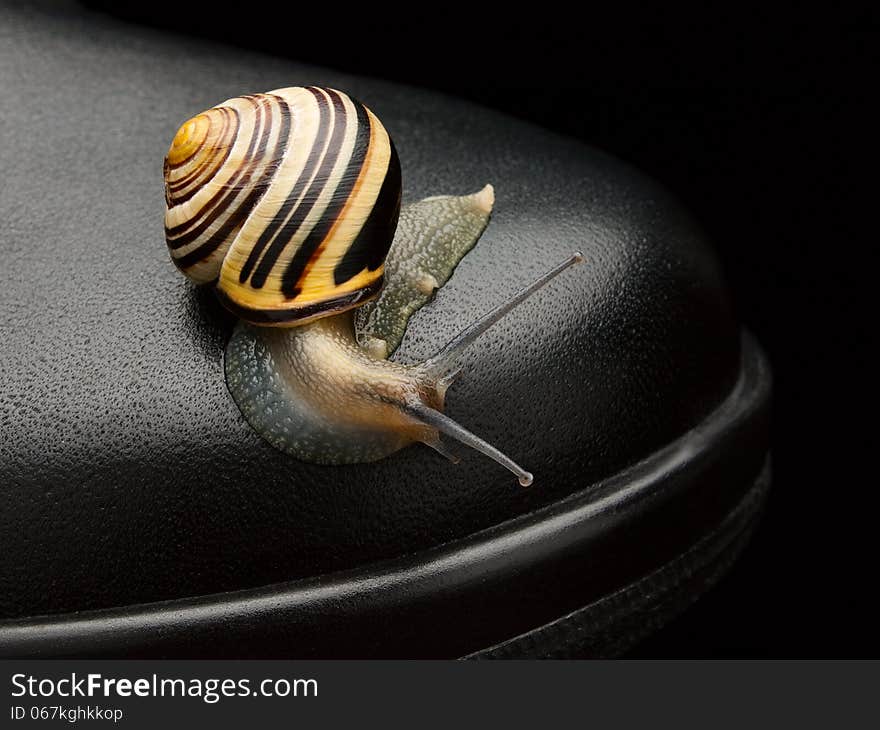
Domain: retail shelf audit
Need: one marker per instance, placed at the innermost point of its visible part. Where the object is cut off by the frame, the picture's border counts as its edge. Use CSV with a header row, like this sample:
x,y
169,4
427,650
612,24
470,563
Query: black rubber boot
x,y
143,517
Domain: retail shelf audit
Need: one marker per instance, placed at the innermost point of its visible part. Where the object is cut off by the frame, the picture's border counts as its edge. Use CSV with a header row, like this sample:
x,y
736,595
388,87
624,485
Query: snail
x,y
290,203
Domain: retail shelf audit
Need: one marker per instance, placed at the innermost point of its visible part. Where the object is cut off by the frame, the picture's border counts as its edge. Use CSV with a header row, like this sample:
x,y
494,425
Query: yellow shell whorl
x,y
288,199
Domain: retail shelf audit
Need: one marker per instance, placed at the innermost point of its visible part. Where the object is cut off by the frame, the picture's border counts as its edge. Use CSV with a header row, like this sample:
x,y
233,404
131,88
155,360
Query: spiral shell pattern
x,y
288,200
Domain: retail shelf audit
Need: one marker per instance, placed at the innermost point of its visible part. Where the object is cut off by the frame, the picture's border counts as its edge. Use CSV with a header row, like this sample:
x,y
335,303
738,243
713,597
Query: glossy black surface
x,y
129,475
763,126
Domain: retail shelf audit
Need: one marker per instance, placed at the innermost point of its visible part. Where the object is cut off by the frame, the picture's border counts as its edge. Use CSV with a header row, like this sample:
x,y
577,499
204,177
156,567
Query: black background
x,y
761,123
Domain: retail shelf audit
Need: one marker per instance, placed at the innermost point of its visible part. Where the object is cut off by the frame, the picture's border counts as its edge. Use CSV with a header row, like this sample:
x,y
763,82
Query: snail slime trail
x,y
291,202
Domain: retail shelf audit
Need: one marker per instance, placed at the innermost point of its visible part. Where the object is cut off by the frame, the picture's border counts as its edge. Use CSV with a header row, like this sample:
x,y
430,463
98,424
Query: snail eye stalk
x,y
445,362
444,424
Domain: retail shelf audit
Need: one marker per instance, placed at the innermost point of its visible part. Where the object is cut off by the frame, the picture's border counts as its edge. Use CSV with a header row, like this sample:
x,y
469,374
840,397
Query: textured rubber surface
x,y
128,474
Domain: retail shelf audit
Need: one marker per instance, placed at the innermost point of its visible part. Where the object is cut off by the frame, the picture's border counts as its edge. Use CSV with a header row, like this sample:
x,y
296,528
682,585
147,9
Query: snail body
x,y
314,393
290,202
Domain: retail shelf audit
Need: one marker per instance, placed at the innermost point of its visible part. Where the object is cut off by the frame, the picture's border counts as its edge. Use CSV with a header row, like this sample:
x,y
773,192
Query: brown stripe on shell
x,y
270,232
370,247
312,194
321,181
304,312
310,249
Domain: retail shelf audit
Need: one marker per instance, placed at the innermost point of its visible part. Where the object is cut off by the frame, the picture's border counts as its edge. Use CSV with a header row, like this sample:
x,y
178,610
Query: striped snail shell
x,y
288,199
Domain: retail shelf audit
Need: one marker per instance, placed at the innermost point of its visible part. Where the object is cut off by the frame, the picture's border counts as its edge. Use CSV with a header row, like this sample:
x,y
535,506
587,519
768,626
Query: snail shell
x,y
289,200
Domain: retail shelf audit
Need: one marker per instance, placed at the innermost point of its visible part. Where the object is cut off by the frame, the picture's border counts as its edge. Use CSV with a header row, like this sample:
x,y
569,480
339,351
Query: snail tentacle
x,y
444,366
449,427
